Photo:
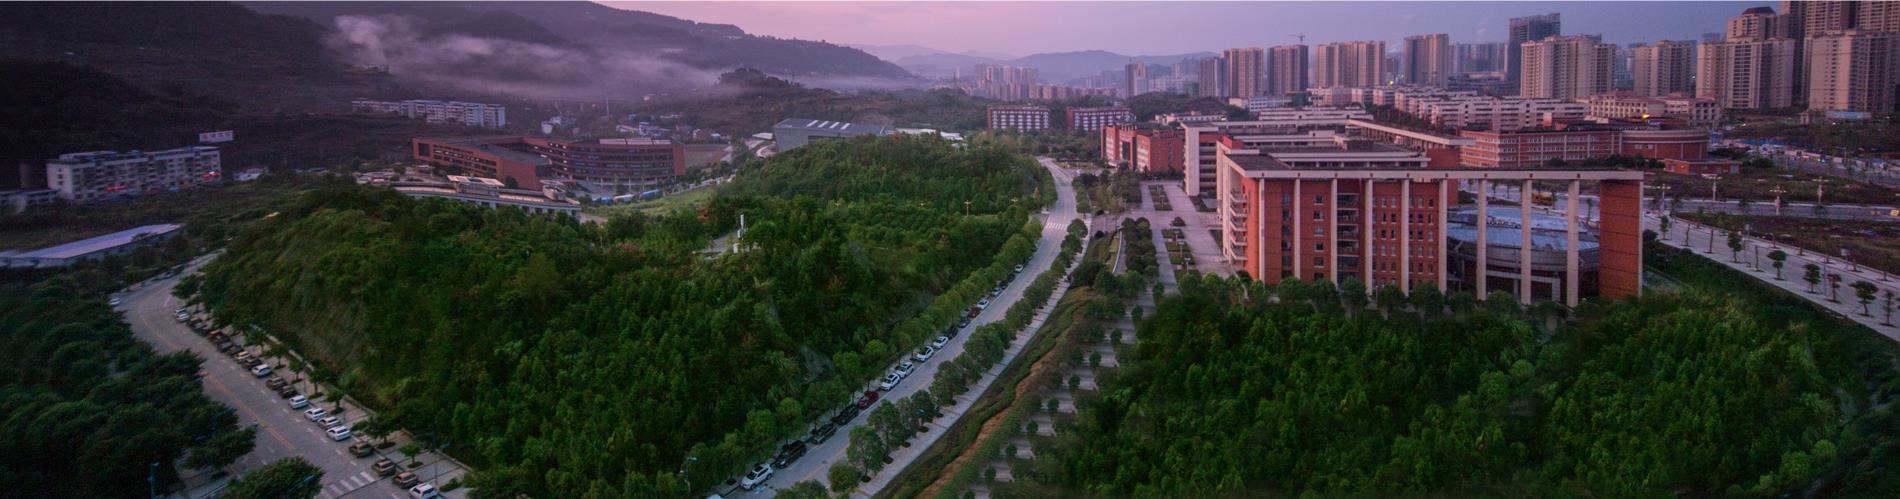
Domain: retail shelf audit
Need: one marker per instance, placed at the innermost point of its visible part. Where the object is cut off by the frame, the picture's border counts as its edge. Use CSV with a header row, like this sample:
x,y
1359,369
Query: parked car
x,y
299,402
845,415
315,413
275,382
996,291
330,422
362,449
339,433
870,397
924,354
406,478
385,467
983,304
115,301
288,391
260,370
822,433
1019,269
788,454
227,346
244,357
759,475
890,381
941,341
960,325
424,491
905,368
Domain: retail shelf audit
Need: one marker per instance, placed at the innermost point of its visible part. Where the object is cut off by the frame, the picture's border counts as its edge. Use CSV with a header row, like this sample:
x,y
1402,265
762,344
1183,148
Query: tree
x,y
1778,257
1865,291
1389,299
807,489
1812,275
1352,293
1887,305
866,450
1665,227
284,478
222,450
844,476
1734,245
1834,287
410,451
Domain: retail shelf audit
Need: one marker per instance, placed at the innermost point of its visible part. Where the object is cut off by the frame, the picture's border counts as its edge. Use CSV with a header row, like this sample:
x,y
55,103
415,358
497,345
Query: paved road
x,y
1753,260
281,431
817,460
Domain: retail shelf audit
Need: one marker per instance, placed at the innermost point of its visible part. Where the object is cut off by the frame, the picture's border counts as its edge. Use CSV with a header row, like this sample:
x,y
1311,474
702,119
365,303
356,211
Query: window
x,y
1319,246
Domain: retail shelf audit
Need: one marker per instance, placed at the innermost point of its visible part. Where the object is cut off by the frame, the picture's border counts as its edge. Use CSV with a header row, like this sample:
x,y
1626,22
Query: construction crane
x,y
1301,36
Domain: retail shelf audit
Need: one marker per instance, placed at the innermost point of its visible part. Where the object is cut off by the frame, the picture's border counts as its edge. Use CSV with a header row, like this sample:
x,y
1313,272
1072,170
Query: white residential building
x,y
85,177
473,114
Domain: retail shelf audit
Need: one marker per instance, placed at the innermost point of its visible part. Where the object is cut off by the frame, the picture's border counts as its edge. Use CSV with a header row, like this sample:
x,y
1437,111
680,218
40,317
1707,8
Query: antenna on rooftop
x,y
1301,36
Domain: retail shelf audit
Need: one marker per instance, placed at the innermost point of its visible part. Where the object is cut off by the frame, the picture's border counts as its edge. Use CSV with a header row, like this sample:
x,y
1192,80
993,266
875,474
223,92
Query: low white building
x,y
475,114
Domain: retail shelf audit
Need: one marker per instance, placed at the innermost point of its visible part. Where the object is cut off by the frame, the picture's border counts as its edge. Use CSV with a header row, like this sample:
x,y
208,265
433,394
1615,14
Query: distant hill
x,y
561,49
746,101
1054,67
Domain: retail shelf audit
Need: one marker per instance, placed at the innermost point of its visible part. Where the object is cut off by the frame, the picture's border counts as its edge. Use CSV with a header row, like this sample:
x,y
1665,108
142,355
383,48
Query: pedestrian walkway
x,y
1753,260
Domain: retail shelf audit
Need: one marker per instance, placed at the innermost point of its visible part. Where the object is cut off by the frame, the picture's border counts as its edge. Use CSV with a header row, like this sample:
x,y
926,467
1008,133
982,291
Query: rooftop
x,y
829,126
96,244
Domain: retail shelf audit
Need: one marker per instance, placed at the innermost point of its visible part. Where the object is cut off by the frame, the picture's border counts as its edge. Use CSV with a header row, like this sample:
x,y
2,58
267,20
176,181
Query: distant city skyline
x,y
1157,28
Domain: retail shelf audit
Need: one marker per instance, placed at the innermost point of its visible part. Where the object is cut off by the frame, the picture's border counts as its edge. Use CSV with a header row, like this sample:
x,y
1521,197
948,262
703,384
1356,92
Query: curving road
x,y
282,432
818,459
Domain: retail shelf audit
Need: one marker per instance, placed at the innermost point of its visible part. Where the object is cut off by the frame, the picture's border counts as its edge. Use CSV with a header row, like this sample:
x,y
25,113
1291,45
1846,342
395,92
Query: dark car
x,y
362,449
870,397
385,467
820,434
845,415
789,453
288,392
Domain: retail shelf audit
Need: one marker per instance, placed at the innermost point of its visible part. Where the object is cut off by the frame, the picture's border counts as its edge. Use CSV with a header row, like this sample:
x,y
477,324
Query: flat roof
x,y
490,144
813,125
92,245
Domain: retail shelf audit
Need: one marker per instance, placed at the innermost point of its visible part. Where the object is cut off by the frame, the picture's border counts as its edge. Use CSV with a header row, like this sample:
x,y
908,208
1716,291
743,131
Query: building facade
x,y
482,157
1748,74
1663,68
1146,150
1535,148
1478,57
1134,79
1289,69
92,248
473,114
1526,29
87,177
1428,59
1018,118
1094,118
620,166
1246,71
1691,110
1565,67
1349,64
791,133
1854,71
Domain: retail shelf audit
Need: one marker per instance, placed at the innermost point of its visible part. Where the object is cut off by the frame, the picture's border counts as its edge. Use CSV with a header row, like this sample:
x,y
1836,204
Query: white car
x,y
1019,269
424,491
340,433
330,422
890,381
983,305
115,301
941,341
261,370
923,355
299,402
904,369
315,413
759,475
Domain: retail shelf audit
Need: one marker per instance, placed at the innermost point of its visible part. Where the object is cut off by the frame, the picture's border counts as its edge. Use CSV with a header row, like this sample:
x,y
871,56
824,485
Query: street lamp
x,y
686,476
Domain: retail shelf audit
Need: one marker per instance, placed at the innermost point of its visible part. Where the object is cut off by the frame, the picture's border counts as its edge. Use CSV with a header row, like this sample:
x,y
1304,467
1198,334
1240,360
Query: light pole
x,y
1778,192
686,476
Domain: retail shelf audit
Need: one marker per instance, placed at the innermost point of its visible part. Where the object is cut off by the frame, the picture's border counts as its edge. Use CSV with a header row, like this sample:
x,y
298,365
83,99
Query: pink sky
x,y
1140,28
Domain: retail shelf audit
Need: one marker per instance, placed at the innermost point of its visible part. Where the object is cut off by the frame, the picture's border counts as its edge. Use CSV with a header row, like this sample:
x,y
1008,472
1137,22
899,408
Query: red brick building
x,y
1146,150
618,165
1534,148
1679,143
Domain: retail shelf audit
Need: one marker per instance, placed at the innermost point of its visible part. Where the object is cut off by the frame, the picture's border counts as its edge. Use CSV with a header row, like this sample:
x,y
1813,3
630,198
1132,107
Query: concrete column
x,y
1445,198
1524,243
1365,234
1332,232
1299,211
1258,240
1571,273
1484,226
1405,235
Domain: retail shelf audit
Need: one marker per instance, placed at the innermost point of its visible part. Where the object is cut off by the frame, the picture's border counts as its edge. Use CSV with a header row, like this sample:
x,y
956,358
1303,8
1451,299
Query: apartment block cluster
x,y
104,176
1835,56
1013,83
474,114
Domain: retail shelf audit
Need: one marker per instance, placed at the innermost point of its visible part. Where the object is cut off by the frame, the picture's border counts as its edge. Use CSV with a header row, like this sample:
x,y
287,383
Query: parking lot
x,y
282,431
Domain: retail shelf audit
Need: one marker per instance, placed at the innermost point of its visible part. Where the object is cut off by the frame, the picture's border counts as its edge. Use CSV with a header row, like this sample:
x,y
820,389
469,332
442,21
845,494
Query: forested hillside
x,y
86,407
1710,392
570,360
